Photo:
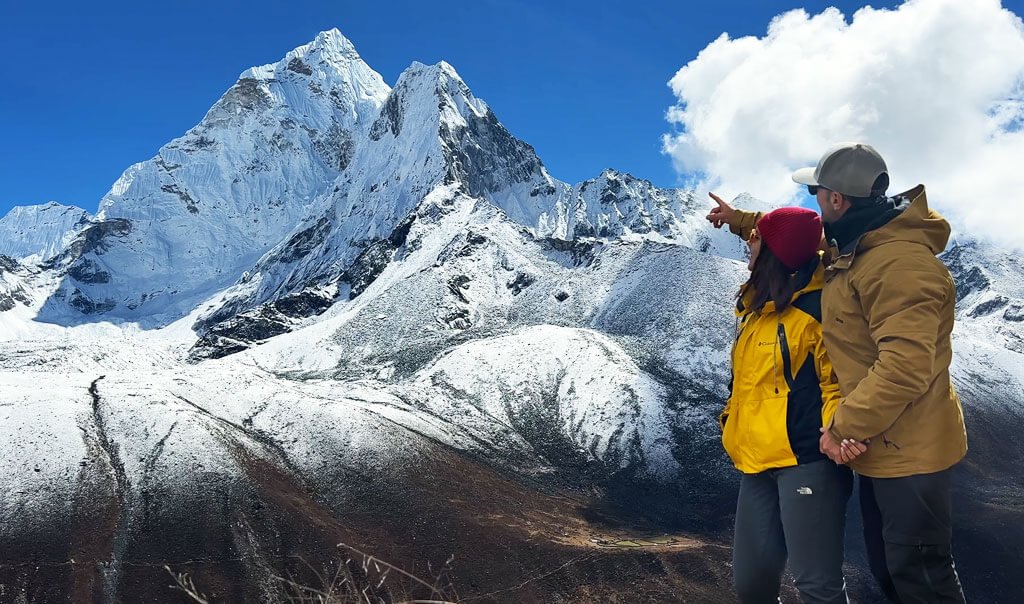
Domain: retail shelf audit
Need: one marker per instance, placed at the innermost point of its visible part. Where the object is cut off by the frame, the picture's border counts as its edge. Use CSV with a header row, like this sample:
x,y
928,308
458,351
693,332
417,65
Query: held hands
x,y
721,214
842,452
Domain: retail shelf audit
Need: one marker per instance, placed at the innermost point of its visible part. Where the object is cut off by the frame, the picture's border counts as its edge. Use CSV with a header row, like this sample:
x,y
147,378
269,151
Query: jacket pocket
x,y
732,435
767,437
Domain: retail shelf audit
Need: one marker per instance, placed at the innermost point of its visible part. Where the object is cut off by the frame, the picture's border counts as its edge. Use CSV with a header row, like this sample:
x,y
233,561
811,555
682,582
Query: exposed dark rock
x,y
485,157
88,306
969,282
988,307
200,142
968,279
306,303
231,329
214,347
561,296
520,282
457,319
461,247
92,239
298,66
581,229
303,242
581,252
336,146
473,243
86,270
542,190
246,94
457,284
368,265
608,198
337,100
226,333
253,326
390,118
165,165
372,261
1015,313
639,226
20,295
238,332
8,264
183,196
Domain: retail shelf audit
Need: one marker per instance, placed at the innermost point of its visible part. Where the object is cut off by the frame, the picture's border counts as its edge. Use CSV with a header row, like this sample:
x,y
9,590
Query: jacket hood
x,y
916,224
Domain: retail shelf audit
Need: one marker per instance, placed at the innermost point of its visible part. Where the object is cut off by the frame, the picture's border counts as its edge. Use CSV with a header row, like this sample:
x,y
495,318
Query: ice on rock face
x,y
38,232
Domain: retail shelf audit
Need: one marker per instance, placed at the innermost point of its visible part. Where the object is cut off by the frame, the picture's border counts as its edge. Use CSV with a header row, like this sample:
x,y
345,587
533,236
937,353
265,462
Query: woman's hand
x,y
841,452
721,214
850,449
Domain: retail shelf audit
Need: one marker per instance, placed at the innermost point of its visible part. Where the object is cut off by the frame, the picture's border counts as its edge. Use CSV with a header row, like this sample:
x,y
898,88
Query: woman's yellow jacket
x,y
783,388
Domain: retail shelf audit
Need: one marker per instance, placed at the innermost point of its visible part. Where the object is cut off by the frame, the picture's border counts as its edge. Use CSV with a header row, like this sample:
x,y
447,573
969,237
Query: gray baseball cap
x,y
847,168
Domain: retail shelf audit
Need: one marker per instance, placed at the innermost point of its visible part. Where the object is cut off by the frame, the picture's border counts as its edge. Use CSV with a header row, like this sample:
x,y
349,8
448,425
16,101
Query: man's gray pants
x,y
797,513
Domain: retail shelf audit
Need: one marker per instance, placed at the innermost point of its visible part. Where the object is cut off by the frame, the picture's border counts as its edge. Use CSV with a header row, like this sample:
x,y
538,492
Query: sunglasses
x,y
813,189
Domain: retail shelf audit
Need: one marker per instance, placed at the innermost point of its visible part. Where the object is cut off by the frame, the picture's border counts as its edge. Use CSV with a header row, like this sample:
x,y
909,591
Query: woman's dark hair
x,y
772,280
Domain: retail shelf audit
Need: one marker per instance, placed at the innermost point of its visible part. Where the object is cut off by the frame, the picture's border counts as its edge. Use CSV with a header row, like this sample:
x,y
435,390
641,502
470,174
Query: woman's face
x,y
754,243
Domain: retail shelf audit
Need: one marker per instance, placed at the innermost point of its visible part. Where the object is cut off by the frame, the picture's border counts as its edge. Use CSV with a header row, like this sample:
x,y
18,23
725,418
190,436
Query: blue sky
x,y
90,88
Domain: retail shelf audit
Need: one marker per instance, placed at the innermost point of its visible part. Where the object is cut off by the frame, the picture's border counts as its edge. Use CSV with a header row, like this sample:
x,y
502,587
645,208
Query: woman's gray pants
x,y
797,513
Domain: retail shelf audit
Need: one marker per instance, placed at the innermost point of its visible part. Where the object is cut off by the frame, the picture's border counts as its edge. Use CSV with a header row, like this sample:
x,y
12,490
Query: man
x,y
887,315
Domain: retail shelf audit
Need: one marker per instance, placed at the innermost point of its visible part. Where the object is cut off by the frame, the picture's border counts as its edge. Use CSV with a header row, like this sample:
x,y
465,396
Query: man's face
x,y
832,205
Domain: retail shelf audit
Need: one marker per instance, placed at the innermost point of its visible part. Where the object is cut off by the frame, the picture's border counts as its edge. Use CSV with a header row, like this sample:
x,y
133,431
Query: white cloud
x,y
937,86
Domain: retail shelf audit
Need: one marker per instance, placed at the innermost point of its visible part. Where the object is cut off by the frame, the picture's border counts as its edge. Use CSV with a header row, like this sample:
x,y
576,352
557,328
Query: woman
x,y
792,500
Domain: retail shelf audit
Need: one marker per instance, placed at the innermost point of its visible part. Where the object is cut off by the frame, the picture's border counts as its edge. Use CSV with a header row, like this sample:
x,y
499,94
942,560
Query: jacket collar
x,y
816,282
914,222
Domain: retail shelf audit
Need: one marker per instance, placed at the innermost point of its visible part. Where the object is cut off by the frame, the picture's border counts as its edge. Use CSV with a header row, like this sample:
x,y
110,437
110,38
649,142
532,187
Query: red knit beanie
x,y
792,234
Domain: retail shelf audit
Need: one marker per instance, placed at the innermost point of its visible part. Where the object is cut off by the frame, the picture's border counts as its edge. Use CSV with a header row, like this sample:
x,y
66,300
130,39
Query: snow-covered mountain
x,y
433,133
177,228
38,232
336,311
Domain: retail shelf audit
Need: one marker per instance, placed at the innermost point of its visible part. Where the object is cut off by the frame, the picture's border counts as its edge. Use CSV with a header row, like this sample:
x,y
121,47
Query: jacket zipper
x,y
787,370
775,362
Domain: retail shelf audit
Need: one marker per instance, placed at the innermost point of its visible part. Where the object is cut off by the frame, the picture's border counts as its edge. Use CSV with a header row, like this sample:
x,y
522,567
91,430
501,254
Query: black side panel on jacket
x,y
803,413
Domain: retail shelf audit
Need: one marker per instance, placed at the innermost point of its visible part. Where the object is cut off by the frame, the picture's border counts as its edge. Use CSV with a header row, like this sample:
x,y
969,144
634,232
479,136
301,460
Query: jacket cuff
x,y
743,222
833,430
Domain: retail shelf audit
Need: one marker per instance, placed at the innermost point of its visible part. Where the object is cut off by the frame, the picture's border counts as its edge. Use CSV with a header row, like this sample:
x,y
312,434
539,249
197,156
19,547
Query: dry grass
x,y
355,578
